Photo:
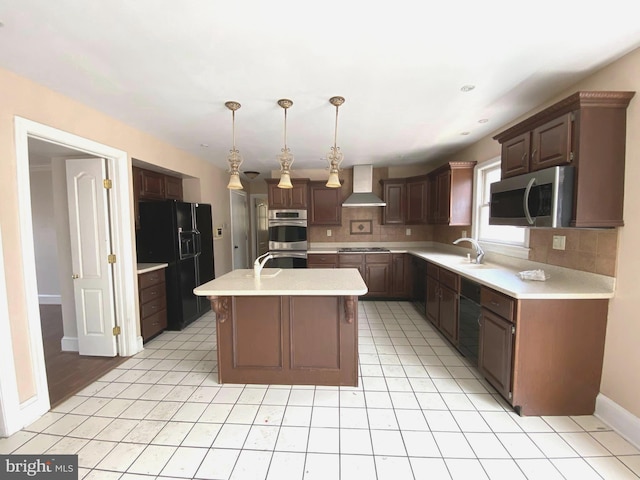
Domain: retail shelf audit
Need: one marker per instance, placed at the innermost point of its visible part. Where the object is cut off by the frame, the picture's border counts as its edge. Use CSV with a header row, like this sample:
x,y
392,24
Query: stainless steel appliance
x,y
538,199
469,319
288,238
180,234
288,230
287,259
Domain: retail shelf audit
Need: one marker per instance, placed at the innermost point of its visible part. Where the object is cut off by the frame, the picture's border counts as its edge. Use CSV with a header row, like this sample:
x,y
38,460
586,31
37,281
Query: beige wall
x,y
44,230
21,97
621,375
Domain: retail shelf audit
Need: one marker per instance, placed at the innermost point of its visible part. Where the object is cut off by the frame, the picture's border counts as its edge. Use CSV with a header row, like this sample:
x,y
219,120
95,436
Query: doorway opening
x,y
69,368
22,406
239,230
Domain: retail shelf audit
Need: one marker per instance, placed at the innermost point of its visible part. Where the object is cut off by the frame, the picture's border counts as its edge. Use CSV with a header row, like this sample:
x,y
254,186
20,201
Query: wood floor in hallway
x,y
68,372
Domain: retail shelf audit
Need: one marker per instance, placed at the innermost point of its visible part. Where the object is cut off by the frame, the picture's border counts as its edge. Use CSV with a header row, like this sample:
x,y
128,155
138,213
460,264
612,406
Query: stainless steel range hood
x,y
363,195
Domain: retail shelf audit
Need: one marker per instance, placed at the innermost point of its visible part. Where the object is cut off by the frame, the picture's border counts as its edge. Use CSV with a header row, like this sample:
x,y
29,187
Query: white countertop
x,y
294,281
150,267
500,273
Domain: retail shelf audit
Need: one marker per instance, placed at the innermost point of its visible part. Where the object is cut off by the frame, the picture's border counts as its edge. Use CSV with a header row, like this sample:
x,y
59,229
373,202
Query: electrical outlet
x,y
464,233
328,232
559,242
408,232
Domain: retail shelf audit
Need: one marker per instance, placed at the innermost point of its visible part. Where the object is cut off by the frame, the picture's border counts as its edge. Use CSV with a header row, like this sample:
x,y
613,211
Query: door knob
x,y
75,275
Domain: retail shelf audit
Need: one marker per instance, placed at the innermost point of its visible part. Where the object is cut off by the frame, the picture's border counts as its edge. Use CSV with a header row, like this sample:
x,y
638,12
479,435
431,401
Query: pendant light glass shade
x,y
335,156
285,158
285,180
334,180
234,182
234,158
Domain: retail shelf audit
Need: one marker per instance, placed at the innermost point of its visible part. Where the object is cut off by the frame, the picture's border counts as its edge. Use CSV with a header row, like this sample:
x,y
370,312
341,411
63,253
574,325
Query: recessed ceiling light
x,y
204,145
465,133
467,88
483,120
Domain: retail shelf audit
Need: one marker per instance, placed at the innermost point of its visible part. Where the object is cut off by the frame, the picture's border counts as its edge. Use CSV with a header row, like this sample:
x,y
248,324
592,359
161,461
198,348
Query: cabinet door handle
x,y
533,154
524,157
494,303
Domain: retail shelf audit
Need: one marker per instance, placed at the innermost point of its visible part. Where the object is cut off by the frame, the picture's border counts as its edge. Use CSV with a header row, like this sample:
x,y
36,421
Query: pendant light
x,y
335,156
285,158
234,158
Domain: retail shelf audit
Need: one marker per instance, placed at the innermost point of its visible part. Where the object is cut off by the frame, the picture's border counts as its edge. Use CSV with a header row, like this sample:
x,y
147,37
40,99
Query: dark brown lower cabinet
x,y
449,313
288,340
442,301
496,351
377,274
432,309
322,260
400,275
153,303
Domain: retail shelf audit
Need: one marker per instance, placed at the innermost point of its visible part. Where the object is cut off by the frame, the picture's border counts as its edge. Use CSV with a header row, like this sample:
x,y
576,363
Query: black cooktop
x,y
362,249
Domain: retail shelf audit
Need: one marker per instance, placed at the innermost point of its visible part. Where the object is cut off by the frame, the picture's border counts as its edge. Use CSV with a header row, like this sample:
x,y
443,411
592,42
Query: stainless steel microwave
x,y
538,199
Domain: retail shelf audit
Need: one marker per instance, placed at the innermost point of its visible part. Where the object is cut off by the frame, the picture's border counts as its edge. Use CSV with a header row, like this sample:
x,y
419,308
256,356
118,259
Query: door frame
x,y
254,223
248,254
19,415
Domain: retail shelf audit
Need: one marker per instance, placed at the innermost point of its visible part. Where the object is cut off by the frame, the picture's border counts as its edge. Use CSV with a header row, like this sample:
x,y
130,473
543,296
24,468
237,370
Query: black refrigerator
x,y
180,234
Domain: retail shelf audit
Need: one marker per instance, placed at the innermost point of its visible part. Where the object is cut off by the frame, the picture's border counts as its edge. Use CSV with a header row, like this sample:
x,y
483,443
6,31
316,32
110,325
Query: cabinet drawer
x,y
153,307
351,258
150,278
152,292
153,324
324,259
432,270
498,303
449,279
377,258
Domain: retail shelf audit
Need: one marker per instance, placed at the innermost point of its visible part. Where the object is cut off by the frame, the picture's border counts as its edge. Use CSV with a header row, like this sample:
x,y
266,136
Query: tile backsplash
x,y
587,250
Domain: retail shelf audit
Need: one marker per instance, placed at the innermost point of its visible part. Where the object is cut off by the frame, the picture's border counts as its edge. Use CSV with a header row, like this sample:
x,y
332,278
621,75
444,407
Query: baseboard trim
x,y
50,299
621,420
69,344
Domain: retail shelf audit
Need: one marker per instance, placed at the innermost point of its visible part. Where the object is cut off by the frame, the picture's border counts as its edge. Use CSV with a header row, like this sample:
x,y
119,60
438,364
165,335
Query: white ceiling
x,y
167,68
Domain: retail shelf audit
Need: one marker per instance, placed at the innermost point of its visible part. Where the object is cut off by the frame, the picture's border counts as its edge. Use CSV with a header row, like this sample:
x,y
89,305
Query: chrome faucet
x,y
476,245
258,265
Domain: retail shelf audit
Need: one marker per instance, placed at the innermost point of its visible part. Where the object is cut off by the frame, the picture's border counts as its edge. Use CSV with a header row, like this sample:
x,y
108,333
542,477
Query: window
x,y
500,238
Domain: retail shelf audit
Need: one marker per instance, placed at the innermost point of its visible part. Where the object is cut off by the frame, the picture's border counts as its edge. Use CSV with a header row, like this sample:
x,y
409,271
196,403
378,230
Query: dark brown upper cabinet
x,y
450,198
394,193
325,204
417,200
586,130
294,198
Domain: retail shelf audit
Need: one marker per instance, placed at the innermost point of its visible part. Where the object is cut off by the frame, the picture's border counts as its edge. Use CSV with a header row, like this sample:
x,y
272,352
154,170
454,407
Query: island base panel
x,y
287,340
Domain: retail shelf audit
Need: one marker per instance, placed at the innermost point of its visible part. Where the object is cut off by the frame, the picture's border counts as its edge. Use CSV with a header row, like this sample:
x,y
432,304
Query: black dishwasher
x,y
469,319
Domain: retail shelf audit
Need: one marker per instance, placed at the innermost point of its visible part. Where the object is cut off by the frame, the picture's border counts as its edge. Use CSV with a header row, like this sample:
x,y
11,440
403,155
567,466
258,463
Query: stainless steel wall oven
x,y
288,238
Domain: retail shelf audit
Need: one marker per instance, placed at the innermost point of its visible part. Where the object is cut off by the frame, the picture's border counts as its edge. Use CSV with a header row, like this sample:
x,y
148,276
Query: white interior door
x,y
239,230
90,246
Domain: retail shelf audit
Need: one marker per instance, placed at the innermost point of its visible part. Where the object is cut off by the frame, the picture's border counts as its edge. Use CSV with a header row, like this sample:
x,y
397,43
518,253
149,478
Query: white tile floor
x,y
420,412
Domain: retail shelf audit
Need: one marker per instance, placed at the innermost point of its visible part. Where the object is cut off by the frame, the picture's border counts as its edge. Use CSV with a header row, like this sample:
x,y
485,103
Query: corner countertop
x,y
499,272
150,267
280,282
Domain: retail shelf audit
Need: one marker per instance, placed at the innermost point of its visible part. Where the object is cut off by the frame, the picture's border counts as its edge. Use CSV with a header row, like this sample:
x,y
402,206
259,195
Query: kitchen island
x,y
290,326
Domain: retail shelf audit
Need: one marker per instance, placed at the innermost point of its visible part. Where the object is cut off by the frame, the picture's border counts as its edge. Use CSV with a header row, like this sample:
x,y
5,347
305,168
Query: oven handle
x,y
287,223
277,254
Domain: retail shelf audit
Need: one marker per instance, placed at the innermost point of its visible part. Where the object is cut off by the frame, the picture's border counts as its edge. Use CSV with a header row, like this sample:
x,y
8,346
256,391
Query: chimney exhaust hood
x,y
363,195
